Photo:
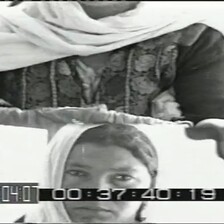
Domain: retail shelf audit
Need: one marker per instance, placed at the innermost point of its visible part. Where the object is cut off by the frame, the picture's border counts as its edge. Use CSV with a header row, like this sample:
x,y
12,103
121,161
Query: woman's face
x,y
103,167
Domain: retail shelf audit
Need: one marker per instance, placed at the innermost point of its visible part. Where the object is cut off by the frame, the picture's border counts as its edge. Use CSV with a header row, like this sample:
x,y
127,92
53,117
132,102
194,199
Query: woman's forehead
x,y
96,155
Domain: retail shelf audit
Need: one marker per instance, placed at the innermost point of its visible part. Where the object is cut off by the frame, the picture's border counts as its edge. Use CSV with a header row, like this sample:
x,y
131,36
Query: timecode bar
x,y
188,194
23,193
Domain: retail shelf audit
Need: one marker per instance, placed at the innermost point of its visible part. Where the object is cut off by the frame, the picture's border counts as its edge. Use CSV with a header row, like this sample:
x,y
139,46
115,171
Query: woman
x,y
120,53
104,156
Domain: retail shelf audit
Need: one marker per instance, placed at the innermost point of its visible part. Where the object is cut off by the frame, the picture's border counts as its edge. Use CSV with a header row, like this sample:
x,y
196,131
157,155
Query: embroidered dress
x,y
133,77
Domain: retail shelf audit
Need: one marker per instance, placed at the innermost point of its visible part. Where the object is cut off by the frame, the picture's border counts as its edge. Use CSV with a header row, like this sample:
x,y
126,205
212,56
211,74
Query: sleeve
x,y
199,83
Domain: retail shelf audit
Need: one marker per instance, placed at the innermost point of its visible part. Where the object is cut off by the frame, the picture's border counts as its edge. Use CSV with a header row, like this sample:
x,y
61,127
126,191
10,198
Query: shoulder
x,y
194,35
207,48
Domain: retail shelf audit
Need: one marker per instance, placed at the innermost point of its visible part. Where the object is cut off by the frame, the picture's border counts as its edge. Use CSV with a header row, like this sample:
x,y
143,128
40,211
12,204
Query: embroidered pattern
x,y
131,80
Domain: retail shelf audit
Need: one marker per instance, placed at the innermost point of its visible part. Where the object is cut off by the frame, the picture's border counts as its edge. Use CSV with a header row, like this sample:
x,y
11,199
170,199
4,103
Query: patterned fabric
x,y
135,73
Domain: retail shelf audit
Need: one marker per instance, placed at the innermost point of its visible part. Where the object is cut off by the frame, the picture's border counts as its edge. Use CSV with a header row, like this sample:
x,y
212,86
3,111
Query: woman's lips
x,y
95,210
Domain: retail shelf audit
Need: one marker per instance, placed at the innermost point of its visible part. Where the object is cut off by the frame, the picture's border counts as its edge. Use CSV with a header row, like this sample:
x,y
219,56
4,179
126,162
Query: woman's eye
x,y
122,177
77,173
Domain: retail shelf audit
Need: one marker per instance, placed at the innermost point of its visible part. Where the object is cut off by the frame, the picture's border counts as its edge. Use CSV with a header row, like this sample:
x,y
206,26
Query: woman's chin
x,y
97,218
87,220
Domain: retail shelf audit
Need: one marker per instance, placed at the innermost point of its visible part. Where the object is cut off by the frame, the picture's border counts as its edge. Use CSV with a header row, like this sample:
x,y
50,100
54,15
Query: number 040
x,y
159,194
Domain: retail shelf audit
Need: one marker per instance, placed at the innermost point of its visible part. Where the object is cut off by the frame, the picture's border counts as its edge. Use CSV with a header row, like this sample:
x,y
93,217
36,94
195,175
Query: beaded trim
x,y
24,87
127,82
54,93
157,66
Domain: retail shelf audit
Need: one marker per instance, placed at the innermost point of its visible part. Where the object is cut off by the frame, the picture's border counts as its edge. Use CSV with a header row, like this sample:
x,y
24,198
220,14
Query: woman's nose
x,y
99,183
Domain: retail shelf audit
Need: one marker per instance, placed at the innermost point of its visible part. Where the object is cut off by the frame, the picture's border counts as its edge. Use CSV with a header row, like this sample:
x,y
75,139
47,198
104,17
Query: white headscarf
x,y
59,148
37,32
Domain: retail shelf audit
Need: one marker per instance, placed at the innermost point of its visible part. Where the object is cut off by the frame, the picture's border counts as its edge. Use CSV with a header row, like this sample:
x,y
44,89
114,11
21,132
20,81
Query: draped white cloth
x,y
37,32
59,148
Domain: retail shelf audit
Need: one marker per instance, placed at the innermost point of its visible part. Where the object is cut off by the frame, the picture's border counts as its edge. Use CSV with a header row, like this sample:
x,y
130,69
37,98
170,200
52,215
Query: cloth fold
x,y
53,30
58,151
52,119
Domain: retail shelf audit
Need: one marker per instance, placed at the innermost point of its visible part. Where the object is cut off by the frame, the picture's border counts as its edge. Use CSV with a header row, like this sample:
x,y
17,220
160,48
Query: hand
x,y
209,129
165,107
214,124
